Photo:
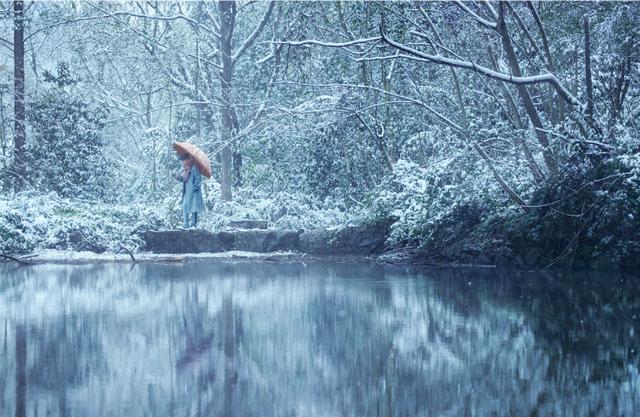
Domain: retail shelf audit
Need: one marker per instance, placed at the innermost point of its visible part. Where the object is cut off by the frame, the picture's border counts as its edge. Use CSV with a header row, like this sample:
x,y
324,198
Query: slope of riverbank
x,y
605,235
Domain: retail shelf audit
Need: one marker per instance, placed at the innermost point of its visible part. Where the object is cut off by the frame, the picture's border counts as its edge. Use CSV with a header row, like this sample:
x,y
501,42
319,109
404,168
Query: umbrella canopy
x,y
200,159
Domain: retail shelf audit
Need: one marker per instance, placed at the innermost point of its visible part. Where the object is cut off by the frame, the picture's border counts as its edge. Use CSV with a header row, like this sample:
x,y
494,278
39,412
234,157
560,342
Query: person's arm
x,y
197,179
179,176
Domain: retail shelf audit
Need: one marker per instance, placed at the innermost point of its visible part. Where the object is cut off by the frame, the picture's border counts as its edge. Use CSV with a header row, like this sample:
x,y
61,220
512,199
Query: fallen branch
x,y
11,258
133,259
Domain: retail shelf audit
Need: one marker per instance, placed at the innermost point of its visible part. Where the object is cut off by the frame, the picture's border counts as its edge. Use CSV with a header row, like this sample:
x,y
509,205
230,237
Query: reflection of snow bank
x,y
62,256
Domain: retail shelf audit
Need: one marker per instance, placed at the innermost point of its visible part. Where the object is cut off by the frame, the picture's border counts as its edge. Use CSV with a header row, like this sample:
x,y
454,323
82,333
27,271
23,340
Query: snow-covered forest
x,y
492,131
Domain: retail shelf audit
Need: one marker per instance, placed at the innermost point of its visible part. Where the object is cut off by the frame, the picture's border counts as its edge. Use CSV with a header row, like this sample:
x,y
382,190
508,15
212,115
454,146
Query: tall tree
x,y
18,93
216,59
228,57
227,10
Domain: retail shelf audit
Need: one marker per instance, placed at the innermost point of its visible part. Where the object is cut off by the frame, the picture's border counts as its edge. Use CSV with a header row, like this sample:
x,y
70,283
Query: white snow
x,y
67,256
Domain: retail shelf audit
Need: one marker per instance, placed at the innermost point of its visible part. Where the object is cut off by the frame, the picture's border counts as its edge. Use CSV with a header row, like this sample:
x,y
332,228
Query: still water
x,y
315,339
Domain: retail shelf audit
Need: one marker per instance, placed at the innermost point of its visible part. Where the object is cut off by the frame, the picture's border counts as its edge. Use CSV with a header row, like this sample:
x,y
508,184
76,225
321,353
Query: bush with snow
x,y
32,221
423,199
65,151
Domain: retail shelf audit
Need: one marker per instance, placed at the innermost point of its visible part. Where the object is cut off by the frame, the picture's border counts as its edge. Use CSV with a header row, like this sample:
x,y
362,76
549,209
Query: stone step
x,y
198,241
356,240
249,224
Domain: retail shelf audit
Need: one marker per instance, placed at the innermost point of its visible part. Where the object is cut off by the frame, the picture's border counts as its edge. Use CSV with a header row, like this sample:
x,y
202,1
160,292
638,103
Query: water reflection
x,y
321,339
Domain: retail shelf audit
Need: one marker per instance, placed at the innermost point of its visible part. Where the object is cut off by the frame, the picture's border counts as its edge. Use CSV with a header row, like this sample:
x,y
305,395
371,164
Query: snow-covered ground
x,y
69,256
31,222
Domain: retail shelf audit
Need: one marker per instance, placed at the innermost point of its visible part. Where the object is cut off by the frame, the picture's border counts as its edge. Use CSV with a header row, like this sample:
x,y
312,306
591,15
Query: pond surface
x,y
316,339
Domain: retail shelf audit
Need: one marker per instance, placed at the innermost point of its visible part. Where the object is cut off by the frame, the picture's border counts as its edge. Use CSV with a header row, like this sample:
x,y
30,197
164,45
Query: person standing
x,y
192,201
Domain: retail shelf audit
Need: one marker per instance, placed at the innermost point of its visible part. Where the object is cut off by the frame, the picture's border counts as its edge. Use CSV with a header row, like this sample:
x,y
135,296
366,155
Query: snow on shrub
x,y
424,199
282,210
32,221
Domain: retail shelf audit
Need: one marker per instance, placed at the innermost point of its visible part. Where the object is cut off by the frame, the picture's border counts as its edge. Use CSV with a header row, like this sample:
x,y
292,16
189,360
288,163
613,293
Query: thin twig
x,y
572,243
590,183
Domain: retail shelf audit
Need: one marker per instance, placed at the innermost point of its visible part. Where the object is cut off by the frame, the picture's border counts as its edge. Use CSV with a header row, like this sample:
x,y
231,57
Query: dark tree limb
x,y
587,69
12,258
378,140
548,57
518,124
543,35
524,29
252,37
439,59
503,184
515,198
529,106
124,248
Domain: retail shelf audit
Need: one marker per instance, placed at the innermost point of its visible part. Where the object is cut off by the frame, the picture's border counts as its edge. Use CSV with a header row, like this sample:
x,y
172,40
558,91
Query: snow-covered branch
x,y
482,21
420,103
166,18
329,44
252,37
533,79
490,9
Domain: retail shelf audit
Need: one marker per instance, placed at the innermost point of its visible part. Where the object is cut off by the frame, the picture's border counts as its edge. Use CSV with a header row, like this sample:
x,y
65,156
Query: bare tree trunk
x,y
392,152
388,154
587,70
4,184
503,184
559,115
529,106
515,198
237,168
517,121
379,141
18,88
227,22
619,92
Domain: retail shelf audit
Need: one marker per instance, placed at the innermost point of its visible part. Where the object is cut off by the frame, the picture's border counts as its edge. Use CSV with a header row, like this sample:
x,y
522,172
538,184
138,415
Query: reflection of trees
x,y
198,330
21,374
587,319
582,355
230,375
208,356
581,317
354,345
204,339
65,352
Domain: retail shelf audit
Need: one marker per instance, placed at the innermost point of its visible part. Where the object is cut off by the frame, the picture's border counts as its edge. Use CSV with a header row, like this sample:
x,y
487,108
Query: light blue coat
x,y
192,201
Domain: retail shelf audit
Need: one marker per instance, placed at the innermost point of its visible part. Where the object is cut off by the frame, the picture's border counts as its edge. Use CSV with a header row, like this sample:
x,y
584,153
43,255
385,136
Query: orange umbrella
x,y
199,157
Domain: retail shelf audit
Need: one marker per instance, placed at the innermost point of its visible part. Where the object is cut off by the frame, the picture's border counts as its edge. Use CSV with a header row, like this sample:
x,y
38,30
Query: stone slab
x,y
354,240
249,224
